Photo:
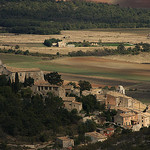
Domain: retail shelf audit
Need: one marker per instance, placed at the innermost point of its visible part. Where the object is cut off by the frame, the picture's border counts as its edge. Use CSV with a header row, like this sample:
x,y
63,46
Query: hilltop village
x,y
129,113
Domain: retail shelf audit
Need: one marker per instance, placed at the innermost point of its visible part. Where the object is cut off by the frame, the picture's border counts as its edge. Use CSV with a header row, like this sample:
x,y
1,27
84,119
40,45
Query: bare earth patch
x,y
141,58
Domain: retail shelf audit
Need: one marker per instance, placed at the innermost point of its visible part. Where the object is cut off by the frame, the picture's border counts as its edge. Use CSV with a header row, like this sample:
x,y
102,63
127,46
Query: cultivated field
x,y
86,66
33,43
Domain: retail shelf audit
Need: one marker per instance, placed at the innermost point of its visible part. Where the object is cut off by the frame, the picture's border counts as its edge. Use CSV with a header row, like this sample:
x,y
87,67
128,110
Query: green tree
x,y
53,78
3,80
73,84
17,47
84,85
16,85
28,81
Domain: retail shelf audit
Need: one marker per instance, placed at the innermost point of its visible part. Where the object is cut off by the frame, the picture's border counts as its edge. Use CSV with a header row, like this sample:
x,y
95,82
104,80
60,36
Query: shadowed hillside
x,y
49,16
126,3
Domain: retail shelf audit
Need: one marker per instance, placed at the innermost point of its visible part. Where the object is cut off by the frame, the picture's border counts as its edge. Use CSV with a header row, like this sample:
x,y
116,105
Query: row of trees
x,y
49,16
121,50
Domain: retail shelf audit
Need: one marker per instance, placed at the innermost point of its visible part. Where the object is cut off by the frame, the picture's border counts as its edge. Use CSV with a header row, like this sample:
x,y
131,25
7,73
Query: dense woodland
x,y
49,17
29,117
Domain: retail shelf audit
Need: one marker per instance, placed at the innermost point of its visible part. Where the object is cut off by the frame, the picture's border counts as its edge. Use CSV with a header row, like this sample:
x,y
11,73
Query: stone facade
x,y
62,44
132,118
70,104
116,99
3,70
69,89
43,87
65,142
144,119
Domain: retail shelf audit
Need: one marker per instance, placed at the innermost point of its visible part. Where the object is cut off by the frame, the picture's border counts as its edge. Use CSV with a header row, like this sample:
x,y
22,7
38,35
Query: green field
x,y
116,44
73,66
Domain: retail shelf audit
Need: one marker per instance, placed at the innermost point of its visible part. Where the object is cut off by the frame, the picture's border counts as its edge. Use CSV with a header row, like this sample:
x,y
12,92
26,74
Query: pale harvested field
x,y
33,43
141,58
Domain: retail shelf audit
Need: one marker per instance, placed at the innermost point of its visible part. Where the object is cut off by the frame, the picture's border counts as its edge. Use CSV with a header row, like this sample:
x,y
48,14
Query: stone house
x,y
144,119
96,137
65,142
69,89
93,91
126,119
70,104
107,131
4,70
34,73
116,99
61,44
43,87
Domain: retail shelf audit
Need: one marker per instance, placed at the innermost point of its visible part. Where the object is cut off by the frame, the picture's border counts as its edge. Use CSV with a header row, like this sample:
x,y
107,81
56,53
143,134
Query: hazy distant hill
x,y
49,16
127,3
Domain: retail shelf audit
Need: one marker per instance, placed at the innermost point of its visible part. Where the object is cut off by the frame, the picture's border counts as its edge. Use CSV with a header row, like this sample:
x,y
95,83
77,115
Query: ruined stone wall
x,y
36,75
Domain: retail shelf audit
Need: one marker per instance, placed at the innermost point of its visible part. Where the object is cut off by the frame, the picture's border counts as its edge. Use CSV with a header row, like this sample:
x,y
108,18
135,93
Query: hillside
x,y
131,141
49,16
126,3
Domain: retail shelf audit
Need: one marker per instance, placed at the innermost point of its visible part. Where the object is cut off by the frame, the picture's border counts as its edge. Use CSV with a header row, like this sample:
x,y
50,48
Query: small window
x,y
38,88
55,88
46,88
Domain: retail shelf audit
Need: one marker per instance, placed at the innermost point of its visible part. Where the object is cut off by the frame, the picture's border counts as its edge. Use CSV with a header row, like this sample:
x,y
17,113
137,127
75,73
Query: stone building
x,y
96,137
116,99
65,142
10,72
69,89
144,119
62,44
4,71
70,104
43,87
126,119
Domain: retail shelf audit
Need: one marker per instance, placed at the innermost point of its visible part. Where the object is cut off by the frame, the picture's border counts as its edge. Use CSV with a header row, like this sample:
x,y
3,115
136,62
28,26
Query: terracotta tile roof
x,y
96,135
117,94
110,129
127,114
68,87
44,83
79,103
146,114
123,109
64,138
69,99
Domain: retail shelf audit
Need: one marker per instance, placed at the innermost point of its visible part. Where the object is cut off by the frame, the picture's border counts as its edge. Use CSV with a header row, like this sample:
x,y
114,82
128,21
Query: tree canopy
x,y
84,85
53,78
50,17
